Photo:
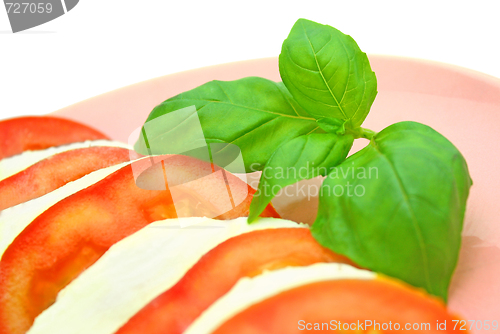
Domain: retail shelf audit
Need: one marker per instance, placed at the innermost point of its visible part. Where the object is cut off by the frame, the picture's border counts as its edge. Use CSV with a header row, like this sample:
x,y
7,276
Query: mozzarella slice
x,y
15,219
13,165
136,270
249,291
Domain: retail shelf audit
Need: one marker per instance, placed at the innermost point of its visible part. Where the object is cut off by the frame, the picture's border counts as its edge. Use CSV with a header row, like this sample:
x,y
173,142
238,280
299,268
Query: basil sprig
x,y
395,207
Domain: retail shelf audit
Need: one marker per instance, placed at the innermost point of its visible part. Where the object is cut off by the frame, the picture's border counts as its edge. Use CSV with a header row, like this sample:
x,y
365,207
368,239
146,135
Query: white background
x,y
102,45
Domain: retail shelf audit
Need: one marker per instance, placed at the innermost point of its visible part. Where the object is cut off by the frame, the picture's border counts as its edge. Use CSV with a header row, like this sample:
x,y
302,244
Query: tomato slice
x,y
54,172
71,235
217,271
40,132
347,305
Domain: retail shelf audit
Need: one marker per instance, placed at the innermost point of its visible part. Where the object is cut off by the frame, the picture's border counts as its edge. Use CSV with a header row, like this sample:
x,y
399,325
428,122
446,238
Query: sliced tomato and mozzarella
x,y
139,268
219,269
72,234
40,154
252,290
268,277
55,171
15,219
88,257
323,298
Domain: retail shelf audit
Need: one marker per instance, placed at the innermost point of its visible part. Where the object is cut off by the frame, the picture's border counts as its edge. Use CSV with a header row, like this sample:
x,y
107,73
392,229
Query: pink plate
x,y
461,104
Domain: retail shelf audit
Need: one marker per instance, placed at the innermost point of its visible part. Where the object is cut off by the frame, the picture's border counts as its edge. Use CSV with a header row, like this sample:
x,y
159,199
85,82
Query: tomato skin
x,y
40,132
57,170
218,271
339,302
71,235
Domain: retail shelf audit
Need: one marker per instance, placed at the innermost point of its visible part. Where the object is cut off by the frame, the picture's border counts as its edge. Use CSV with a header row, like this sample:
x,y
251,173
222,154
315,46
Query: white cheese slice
x,y
136,270
15,164
249,291
15,219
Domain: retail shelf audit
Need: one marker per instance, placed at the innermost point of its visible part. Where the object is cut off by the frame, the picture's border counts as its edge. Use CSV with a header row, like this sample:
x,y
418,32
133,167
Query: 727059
x,y
28,7
479,325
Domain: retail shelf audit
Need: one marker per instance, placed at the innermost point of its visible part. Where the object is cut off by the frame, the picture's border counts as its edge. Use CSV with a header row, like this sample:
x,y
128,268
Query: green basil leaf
x,y
301,158
327,73
397,206
255,114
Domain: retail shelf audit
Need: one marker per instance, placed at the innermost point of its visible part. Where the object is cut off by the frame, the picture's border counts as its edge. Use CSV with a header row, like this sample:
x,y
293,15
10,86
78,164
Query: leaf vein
x,y
256,109
416,225
321,73
222,89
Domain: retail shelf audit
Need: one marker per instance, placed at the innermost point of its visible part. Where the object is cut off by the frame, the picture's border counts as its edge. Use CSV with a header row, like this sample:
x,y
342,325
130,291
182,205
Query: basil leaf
x,y
327,73
397,206
255,114
301,158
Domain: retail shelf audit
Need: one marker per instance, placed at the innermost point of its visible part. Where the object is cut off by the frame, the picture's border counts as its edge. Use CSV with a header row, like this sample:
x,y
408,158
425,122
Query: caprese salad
x,y
97,255
93,238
